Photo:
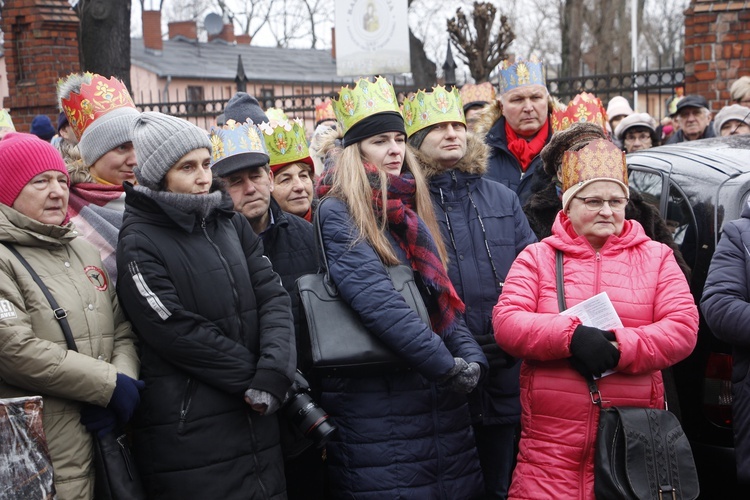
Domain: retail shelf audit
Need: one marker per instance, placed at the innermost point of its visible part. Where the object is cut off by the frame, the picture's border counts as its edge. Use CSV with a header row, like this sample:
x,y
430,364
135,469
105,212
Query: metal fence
x,y
654,86
298,101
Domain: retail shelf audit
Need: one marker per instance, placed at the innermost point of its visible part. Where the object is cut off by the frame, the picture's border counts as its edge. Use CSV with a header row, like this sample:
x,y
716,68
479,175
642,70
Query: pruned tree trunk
x,y
104,37
572,38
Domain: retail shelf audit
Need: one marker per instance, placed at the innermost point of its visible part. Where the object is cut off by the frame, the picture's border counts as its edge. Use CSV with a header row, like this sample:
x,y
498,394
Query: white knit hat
x,y
635,120
618,106
734,112
160,140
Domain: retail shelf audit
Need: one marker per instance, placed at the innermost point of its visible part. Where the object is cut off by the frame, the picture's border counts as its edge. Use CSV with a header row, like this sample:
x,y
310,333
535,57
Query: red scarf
x,y
413,237
524,150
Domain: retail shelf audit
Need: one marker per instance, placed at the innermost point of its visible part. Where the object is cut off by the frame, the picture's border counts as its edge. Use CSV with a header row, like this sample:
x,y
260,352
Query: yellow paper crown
x,y
365,99
425,109
95,98
520,74
5,120
276,114
285,141
475,93
324,111
584,107
599,160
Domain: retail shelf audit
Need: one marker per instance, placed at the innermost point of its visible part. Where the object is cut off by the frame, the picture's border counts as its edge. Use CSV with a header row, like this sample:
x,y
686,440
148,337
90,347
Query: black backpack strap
x,y
60,313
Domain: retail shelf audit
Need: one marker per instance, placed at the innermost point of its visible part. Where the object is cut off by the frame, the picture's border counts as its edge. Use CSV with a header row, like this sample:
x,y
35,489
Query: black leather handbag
x,y
641,453
116,475
340,344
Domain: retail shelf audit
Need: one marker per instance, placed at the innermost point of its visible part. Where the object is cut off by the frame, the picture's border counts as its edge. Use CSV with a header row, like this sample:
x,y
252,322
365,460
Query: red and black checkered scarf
x,y
413,237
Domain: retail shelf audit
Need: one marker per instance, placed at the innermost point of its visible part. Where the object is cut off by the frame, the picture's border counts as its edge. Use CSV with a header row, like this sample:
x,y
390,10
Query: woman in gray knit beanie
x,y
214,323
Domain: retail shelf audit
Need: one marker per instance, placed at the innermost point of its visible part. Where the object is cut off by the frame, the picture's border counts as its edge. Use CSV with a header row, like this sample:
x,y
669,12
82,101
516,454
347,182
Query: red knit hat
x,y
22,157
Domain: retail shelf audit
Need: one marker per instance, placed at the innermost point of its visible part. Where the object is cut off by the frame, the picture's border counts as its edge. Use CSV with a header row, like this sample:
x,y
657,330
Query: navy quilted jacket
x,y
399,435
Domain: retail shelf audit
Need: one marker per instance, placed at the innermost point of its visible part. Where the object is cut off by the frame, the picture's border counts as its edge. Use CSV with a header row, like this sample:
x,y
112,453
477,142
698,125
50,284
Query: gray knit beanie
x,y
243,106
160,140
106,133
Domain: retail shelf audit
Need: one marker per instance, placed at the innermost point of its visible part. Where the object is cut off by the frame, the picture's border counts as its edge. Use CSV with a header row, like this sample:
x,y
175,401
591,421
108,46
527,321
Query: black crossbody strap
x,y
60,313
596,396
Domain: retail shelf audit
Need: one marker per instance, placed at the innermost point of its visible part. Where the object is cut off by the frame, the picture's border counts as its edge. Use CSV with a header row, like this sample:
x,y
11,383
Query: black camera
x,y
305,414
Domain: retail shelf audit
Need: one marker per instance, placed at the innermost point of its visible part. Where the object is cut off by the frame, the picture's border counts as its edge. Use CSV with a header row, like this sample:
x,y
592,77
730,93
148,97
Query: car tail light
x,y
717,389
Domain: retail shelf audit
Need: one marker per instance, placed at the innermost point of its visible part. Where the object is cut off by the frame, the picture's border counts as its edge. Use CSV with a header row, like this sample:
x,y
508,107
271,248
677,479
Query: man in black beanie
x,y
243,106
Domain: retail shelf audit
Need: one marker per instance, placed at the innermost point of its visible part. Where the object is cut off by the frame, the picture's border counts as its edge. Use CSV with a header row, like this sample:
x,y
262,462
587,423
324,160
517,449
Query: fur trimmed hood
x,y
489,115
328,146
473,162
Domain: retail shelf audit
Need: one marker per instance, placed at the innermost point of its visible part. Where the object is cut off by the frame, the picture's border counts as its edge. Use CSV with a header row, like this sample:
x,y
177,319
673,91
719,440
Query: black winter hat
x,y
243,106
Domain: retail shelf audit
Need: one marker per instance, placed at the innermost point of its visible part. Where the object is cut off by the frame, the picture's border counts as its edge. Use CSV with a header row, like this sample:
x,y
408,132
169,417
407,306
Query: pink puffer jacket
x,y
660,320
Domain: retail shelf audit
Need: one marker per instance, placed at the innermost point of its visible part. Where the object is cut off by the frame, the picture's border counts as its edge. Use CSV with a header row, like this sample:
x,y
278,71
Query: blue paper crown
x,y
520,74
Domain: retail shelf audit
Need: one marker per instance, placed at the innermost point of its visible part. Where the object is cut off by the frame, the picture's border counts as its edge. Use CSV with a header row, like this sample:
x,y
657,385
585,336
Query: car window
x,y
672,204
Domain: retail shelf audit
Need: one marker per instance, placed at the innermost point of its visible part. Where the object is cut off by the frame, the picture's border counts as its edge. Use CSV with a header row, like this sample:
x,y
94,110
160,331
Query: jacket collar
x,y
16,228
160,213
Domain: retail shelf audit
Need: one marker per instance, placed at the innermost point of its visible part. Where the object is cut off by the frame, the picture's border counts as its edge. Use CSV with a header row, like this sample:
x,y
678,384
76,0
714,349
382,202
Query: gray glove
x,y
465,380
262,402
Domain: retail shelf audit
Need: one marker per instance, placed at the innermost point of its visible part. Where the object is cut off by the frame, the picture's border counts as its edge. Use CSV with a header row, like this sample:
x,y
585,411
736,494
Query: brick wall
x,y
717,48
40,47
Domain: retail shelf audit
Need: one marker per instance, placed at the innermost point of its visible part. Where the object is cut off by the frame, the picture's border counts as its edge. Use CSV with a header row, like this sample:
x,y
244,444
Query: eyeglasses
x,y
596,204
640,137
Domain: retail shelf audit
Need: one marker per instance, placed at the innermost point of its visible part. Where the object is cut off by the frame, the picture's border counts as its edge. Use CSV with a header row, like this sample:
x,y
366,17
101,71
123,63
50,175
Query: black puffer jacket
x,y
290,245
213,320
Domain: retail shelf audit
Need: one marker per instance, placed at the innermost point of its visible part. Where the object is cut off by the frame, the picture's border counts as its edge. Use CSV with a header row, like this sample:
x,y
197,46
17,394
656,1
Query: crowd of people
x,y
175,253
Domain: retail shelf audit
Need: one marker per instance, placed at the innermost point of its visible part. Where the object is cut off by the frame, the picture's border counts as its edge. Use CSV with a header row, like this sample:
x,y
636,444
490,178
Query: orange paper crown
x,y
584,107
599,160
96,98
324,111
481,92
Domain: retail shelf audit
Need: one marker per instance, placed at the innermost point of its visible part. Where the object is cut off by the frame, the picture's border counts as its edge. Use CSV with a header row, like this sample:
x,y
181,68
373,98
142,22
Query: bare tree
x,y
104,37
662,31
250,15
481,45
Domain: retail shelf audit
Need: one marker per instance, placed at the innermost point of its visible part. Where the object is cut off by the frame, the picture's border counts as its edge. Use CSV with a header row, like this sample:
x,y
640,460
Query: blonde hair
x,y
350,184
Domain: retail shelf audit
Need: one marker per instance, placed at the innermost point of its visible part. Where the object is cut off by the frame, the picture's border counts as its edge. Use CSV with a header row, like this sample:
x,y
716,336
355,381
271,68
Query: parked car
x,y
698,186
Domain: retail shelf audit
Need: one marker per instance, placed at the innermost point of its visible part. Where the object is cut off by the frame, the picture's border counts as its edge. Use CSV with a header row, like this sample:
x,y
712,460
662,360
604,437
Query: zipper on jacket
x,y
228,270
258,469
598,275
187,399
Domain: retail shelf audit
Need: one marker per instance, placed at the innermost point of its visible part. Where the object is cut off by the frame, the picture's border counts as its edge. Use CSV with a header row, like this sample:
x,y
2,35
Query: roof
x,y
183,58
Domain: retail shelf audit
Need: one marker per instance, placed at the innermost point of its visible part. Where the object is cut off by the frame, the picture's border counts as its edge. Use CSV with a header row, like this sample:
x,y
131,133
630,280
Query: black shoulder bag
x,y
340,344
116,475
641,453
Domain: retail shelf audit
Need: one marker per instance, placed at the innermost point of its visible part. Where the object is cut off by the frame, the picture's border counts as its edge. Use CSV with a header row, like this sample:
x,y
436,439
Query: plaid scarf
x,y
413,237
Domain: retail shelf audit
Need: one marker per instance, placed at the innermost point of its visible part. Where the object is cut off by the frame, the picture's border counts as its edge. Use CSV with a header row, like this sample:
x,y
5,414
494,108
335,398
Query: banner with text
x,y
372,37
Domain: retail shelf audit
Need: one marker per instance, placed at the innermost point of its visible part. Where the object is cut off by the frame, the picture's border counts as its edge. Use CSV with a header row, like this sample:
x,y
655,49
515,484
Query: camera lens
x,y
309,418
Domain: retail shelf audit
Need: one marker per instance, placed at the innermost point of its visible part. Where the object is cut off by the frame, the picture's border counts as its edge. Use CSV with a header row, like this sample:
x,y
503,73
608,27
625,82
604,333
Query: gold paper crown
x,y
520,74
95,98
475,93
584,107
599,160
285,141
324,111
425,109
5,120
237,138
365,99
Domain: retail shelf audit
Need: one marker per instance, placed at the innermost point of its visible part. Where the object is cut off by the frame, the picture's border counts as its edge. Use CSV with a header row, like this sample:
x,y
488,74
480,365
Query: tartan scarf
x,y
414,238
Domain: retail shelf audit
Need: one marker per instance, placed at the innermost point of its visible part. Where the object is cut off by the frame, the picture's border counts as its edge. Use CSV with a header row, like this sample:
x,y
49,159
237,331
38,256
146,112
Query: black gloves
x,y
496,357
98,420
463,377
592,351
126,397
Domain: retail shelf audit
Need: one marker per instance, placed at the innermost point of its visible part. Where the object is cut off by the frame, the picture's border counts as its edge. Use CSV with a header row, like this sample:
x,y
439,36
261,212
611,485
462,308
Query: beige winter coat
x,y
34,359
